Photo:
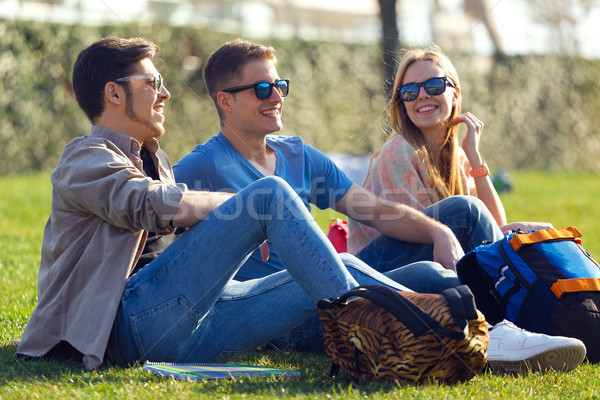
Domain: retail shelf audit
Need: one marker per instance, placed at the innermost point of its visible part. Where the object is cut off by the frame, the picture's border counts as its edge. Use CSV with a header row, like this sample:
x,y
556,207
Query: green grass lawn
x,y
561,198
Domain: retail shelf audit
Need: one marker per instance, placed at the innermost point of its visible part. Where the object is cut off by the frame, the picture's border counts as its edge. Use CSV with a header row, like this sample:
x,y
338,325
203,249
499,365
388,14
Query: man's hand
x,y
446,248
402,222
526,226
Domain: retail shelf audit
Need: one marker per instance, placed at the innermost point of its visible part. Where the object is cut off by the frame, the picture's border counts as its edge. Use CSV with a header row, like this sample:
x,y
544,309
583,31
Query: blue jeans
x,y
184,305
468,218
427,276
407,263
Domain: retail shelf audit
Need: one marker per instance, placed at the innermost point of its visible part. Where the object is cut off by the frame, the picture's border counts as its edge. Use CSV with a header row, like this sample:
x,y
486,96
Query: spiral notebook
x,y
195,372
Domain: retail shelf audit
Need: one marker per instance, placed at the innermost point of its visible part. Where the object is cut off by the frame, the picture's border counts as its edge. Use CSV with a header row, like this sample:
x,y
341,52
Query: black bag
x,y
543,281
389,335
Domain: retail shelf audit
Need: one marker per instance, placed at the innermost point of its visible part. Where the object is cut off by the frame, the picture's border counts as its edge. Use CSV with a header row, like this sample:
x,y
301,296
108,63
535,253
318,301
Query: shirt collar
x,y
127,144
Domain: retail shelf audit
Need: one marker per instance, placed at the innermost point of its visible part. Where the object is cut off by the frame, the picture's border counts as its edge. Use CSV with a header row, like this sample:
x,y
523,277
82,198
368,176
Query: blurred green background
x,y
540,111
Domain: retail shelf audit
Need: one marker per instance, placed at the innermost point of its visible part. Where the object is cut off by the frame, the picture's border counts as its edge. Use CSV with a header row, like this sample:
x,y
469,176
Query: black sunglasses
x,y
263,90
158,81
433,86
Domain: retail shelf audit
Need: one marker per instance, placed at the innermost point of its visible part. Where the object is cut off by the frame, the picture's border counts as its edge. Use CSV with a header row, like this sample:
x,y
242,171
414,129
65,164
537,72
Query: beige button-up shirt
x,y
102,207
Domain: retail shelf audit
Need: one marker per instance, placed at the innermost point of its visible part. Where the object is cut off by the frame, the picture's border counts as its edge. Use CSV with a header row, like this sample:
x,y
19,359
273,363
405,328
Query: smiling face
x,y
429,113
245,113
144,106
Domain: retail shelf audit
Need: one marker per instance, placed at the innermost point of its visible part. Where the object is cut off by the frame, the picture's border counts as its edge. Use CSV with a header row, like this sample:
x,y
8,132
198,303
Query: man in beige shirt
x,y
113,280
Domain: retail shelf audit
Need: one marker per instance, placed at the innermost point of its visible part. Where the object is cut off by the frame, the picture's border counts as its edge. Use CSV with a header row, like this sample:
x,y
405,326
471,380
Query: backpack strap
x,y
563,286
471,273
411,315
543,235
520,279
462,305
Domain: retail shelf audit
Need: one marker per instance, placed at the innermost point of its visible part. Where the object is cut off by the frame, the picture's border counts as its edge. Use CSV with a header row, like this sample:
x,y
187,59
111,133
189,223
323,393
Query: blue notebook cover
x,y
194,372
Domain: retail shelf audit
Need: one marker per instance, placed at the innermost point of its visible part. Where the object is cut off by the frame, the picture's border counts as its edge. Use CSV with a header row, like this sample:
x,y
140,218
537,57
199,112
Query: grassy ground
x,y
561,198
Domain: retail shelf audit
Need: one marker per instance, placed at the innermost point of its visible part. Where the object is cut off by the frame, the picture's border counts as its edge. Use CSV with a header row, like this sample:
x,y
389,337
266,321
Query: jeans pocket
x,y
161,332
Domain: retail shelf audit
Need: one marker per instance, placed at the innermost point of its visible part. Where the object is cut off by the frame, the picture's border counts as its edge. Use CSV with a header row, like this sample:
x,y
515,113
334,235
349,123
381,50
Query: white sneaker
x,y
513,349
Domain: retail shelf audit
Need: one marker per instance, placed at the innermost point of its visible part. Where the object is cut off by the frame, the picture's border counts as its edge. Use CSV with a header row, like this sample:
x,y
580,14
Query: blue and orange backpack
x,y
543,281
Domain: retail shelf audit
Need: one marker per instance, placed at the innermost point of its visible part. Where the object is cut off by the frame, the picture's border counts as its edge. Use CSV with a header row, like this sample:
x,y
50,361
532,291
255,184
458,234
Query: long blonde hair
x,y
445,180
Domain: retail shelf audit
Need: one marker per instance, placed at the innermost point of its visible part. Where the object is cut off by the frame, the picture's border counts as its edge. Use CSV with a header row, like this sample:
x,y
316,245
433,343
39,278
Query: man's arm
x,y
401,222
196,205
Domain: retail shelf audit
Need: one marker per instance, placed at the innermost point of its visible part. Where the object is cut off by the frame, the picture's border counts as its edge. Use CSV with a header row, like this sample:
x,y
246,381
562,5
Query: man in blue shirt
x,y
248,93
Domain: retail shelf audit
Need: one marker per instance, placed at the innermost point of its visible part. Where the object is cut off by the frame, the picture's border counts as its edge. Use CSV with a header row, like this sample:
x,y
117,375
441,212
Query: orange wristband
x,y
481,171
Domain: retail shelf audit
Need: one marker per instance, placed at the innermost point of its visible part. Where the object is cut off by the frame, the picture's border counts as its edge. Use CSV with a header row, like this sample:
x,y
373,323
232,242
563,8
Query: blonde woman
x,y
421,163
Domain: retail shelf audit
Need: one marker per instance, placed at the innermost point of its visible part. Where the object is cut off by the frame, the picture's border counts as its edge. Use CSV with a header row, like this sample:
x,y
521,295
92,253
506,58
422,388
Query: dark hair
x,y
225,65
104,61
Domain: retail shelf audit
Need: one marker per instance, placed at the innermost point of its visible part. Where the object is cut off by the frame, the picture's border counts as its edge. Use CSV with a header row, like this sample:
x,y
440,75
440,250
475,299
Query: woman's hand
x,y
483,184
470,143
526,226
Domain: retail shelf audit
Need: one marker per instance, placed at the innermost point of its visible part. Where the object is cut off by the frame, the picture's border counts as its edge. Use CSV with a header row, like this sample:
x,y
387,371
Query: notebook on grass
x,y
194,372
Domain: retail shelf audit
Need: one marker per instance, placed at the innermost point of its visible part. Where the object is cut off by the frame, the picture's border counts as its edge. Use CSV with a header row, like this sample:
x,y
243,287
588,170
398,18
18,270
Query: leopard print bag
x,y
402,336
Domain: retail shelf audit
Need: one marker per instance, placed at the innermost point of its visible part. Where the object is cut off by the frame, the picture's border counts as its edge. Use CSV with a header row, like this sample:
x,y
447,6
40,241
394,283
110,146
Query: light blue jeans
x,y
468,218
184,305
410,263
429,277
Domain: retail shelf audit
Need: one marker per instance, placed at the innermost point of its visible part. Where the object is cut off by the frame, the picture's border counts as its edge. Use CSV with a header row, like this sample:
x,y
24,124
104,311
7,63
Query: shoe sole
x,y
558,359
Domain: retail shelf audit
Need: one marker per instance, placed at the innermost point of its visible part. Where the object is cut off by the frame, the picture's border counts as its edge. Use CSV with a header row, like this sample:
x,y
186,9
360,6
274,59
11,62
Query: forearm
x,y
409,225
390,218
488,195
485,188
405,223
401,222
196,205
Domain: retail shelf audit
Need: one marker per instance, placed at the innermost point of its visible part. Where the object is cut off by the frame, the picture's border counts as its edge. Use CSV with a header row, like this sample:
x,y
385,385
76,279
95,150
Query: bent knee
x,y
466,204
272,182
466,201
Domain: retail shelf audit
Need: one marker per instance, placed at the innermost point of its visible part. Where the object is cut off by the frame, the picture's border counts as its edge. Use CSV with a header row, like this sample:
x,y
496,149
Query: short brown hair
x,y
224,66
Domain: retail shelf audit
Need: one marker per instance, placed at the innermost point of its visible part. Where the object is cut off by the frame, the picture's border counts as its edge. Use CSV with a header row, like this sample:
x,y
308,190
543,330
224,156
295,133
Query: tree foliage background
x,y
540,112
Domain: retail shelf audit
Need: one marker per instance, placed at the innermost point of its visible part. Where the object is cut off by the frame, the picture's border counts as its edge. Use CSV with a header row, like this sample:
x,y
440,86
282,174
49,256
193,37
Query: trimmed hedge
x,y
540,111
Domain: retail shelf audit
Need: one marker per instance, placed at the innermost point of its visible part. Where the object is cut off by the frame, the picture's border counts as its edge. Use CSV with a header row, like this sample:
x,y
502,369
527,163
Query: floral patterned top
x,y
398,174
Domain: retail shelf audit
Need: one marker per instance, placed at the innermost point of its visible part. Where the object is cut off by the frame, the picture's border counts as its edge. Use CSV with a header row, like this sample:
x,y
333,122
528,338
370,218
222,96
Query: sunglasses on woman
x,y
158,81
433,86
263,90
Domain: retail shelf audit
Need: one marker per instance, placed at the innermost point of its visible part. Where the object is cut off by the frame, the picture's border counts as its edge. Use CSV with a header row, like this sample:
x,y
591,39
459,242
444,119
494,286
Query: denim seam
x,y
141,316
290,279
316,255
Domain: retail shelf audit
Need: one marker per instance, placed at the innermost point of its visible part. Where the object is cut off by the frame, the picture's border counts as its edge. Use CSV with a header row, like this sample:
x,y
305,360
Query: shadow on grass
x,y
31,370
313,381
